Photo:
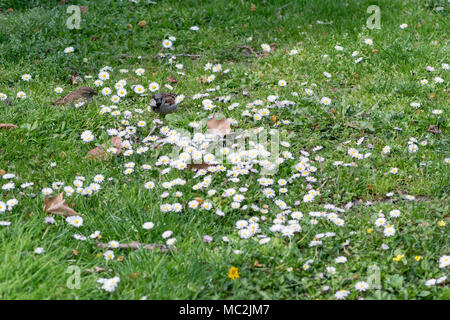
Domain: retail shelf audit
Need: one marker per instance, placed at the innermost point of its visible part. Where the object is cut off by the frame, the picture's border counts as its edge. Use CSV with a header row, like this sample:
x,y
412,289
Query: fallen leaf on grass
x,y
199,166
58,205
346,251
136,245
257,264
221,127
99,152
199,200
97,269
171,80
433,129
7,126
84,9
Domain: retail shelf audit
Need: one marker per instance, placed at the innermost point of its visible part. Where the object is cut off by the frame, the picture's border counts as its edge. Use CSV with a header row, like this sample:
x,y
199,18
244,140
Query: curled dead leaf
x,y
57,205
216,126
257,264
142,23
199,200
7,126
346,251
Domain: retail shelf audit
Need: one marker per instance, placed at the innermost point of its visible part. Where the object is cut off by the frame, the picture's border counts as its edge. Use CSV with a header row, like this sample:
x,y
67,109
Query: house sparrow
x,y
79,95
163,103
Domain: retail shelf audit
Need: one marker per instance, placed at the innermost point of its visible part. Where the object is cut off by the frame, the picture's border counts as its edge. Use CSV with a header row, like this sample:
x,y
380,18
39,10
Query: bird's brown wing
x,y
87,92
76,95
71,97
169,98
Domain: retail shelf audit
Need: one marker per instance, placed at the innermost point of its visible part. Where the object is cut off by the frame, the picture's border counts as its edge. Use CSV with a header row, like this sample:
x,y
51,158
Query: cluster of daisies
x,y
228,169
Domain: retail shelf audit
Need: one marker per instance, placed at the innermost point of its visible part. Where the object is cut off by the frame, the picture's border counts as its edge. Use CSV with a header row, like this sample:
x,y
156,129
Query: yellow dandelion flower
x,y
233,273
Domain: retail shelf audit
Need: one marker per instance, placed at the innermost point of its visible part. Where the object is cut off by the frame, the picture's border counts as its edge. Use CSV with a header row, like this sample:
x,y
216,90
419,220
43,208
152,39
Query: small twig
x,y
250,49
136,245
160,55
284,6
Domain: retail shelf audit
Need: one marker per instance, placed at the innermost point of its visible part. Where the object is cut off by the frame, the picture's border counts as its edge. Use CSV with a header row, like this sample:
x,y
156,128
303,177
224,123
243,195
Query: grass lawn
x,y
356,208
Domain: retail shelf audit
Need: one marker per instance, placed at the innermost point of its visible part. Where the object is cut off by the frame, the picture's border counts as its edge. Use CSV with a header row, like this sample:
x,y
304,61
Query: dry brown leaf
x,y
257,264
199,200
7,126
199,166
96,269
84,9
142,23
202,79
117,142
346,251
96,153
136,245
171,80
434,129
253,7
58,205
99,152
216,126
